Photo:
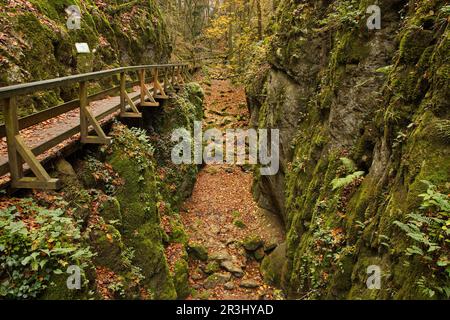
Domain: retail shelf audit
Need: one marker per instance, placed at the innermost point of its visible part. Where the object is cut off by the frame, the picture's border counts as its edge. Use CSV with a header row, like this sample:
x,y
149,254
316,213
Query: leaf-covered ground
x,y
221,212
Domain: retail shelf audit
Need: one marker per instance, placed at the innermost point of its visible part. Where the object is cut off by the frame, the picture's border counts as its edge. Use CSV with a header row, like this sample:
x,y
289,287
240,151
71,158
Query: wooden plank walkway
x,y
66,125
31,140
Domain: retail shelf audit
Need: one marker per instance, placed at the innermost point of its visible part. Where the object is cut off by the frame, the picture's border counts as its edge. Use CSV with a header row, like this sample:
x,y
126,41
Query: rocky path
x,y
222,217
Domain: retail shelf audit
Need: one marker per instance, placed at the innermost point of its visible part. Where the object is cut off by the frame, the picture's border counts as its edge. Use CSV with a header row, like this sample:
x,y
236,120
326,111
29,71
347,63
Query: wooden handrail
x,y
27,88
52,112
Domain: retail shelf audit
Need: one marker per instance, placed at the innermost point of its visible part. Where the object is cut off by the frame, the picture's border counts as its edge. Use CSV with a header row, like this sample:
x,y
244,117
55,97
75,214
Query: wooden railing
x,y
162,78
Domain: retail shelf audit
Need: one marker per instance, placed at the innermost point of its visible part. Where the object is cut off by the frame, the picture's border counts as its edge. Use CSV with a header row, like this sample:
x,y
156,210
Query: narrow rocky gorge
x,y
229,235
360,205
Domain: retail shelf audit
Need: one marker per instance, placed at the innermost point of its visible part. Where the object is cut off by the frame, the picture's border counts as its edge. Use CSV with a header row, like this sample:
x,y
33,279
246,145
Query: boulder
x,y
181,279
215,279
270,246
249,284
252,243
197,251
259,254
273,264
234,269
222,255
229,286
212,267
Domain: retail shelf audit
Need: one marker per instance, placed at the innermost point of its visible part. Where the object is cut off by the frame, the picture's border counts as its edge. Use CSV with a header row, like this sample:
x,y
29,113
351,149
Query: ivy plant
x,y
36,243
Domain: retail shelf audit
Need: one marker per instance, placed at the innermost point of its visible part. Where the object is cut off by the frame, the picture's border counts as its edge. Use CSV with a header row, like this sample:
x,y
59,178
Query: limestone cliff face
x,y
36,44
349,100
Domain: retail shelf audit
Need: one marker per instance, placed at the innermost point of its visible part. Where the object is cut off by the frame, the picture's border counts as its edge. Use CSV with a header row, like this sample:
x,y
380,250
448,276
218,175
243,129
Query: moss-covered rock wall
x,y
368,122
36,44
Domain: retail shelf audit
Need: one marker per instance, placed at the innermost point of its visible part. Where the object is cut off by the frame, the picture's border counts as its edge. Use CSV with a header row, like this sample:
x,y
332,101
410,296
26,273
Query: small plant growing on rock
x,y
429,231
349,165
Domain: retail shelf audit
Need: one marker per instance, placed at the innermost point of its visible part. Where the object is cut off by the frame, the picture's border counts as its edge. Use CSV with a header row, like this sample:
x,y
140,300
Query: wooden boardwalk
x,y
27,143
68,125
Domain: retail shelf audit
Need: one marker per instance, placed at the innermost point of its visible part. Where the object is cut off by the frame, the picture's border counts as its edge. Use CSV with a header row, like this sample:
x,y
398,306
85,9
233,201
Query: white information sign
x,y
82,47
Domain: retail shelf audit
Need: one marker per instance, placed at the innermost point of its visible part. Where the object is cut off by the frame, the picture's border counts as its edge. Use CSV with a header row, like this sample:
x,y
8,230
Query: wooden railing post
x,y
123,92
87,118
166,85
180,79
12,130
145,93
158,89
142,84
187,73
183,72
18,153
125,98
84,125
173,81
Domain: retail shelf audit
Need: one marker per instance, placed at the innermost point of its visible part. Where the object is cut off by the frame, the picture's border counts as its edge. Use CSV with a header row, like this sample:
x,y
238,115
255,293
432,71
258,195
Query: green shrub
x,y
429,231
36,243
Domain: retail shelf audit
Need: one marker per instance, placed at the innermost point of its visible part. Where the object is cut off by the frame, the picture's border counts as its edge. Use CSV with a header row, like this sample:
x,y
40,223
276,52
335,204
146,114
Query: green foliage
x,y
197,251
445,10
135,274
142,137
442,130
104,175
326,255
178,234
339,183
135,144
385,70
348,164
430,230
239,223
34,244
345,13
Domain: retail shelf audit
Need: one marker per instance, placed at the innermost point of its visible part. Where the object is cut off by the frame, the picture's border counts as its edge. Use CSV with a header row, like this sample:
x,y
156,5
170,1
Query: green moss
x,y
238,223
110,210
197,251
149,256
58,290
350,49
341,281
178,234
107,243
181,279
140,219
137,200
413,44
259,254
212,267
252,242
40,38
184,109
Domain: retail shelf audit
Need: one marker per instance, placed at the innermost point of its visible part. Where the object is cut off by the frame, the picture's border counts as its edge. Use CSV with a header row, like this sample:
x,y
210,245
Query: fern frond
x,y
343,182
349,164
